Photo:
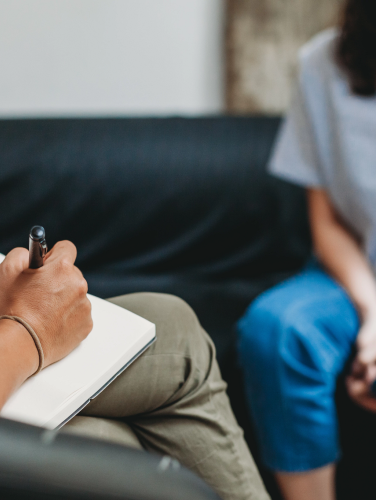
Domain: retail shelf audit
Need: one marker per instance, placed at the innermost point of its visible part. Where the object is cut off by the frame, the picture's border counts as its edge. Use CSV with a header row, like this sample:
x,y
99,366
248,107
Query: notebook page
x,y
116,332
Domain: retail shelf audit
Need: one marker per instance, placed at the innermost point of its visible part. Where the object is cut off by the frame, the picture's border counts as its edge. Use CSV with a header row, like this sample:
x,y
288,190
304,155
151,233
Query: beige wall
x,y
263,38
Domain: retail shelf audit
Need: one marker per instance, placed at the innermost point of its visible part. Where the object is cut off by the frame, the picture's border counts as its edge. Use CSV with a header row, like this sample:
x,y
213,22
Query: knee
x,y
162,309
172,312
275,330
177,326
181,337
289,336
259,329
176,323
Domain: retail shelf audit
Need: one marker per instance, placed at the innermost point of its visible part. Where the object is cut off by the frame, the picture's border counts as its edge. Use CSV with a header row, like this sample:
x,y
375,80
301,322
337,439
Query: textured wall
x,y
263,38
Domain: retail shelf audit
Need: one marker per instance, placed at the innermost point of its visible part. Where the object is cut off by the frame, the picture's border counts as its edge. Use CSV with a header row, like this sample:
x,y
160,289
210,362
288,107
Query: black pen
x,y
37,247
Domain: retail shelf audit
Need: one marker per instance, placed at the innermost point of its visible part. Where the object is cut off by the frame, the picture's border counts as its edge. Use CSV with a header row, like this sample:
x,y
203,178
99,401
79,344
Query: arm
x,y
18,357
52,300
341,254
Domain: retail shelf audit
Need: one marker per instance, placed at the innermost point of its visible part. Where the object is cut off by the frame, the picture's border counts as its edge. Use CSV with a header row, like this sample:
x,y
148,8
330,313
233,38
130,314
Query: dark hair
x,y
356,50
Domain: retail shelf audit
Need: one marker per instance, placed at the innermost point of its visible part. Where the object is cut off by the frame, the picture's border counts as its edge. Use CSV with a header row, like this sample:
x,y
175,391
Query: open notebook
x,y
53,396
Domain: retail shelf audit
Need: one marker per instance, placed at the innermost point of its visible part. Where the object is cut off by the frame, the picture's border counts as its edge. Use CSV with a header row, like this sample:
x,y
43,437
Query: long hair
x,y
356,49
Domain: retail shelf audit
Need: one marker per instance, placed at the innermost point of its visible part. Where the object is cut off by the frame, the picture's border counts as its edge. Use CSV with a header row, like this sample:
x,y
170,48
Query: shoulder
x,y
320,49
317,57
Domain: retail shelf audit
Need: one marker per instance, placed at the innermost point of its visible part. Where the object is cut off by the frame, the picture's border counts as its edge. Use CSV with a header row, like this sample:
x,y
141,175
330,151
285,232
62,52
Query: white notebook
x,y
56,394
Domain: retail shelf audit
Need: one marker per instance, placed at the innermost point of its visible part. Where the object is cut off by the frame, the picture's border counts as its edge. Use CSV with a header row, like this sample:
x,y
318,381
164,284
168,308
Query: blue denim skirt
x,y
293,343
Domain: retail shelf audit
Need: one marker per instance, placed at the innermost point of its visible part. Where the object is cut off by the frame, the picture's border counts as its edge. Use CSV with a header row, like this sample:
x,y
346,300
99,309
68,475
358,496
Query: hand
x,y
363,372
52,299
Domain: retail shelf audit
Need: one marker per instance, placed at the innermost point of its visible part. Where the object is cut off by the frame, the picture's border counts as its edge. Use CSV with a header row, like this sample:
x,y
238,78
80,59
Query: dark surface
x,y
180,206
44,465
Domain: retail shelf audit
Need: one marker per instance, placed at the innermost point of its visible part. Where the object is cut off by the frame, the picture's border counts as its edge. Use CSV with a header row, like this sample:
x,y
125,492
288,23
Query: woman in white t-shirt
x,y
296,339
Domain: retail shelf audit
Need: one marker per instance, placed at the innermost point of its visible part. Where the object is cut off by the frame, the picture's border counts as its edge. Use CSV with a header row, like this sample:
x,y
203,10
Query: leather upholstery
x,y
41,465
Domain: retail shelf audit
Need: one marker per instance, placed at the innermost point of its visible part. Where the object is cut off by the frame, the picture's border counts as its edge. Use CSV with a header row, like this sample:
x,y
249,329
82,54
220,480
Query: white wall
x,y
110,57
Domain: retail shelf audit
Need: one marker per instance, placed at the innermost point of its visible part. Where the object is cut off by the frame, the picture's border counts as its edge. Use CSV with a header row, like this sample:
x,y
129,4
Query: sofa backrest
x,y
187,195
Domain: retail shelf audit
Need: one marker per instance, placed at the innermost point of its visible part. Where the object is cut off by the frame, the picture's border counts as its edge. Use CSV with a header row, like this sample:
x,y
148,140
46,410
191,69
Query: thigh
x,y
105,429
309,318
156,377
175,400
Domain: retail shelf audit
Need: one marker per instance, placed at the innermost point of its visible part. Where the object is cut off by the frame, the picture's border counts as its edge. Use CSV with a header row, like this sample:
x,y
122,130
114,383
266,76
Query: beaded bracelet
x,y
34,336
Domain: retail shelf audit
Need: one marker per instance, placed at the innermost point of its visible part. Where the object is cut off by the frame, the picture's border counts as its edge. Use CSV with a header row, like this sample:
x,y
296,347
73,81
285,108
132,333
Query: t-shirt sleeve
x,y
295,157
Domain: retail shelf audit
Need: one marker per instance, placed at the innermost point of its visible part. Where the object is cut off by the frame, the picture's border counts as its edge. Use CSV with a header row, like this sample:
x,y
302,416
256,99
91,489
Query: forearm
x,y
53,299
345,260
343,257
18,358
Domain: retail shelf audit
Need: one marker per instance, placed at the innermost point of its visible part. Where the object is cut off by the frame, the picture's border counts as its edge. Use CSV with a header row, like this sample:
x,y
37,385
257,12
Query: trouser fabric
x,y
174,400
293,343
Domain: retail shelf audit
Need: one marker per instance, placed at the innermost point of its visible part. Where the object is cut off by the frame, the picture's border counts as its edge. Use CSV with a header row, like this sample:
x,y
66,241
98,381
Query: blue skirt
x,y
293,342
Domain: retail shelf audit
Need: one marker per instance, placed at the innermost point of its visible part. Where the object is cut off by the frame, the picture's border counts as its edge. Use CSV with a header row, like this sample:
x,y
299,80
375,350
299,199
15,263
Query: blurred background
x,y
141,130
152,57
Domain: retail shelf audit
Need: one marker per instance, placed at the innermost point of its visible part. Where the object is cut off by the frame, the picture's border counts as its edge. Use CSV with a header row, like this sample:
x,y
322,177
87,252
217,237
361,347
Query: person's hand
x,y
363,372
52,299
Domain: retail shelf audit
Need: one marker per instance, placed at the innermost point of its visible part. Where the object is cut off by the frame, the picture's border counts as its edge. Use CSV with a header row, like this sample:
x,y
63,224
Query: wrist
x,y
367,311
17,344
368,316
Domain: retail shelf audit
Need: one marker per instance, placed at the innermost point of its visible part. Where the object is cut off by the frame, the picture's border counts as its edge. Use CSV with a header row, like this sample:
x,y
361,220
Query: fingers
x,y
370,374
359,391
357,387
364,369
64,254
82,285
366,357
357,369
364,365
63,250
366,334
17,259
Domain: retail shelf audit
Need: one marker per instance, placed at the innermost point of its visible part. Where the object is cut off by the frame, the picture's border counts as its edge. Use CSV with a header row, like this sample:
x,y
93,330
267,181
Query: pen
x,y
37,247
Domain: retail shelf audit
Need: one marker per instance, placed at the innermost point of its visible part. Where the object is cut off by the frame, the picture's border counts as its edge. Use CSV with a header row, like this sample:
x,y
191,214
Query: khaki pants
x,y
174,400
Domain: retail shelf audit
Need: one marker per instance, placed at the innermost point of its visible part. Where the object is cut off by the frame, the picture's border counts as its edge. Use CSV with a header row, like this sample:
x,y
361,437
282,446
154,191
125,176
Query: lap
x,y
154,379
174,400
105,429
294,341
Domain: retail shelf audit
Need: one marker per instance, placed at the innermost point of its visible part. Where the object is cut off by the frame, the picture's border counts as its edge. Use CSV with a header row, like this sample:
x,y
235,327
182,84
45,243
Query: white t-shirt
x,y
328,140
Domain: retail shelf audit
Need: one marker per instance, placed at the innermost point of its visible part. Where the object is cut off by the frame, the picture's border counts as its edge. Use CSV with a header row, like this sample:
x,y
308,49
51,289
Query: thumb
x,y
17,260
